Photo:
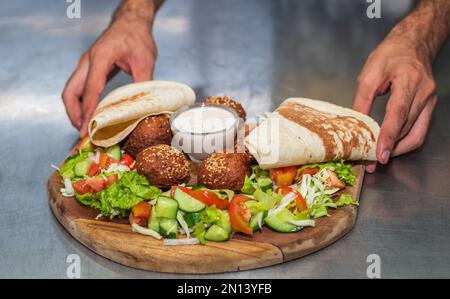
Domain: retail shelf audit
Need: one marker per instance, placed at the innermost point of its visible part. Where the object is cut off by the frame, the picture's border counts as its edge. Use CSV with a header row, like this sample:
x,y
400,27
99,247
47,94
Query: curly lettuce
x,y
343,170
258,179
67,170
117,199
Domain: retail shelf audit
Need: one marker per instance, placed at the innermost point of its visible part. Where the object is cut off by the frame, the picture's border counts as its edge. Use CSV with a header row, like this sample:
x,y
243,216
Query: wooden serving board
x,y
116,241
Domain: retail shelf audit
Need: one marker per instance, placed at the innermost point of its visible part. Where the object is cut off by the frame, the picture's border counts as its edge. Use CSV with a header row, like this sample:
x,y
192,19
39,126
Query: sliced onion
x,y
187,241
54,166
145,231
183,224
260,217
117,167
285,201
97,157
67,191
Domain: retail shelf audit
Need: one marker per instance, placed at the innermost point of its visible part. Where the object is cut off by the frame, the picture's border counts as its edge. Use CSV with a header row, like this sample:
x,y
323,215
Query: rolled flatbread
x,y
303,131
123,108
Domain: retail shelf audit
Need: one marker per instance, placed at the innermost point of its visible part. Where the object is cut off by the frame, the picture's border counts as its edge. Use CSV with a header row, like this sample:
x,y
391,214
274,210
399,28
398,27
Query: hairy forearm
x,y
143,10
426,29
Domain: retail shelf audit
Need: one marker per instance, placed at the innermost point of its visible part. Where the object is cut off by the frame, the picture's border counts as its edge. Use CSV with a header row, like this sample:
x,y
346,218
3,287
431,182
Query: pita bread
x,y
123,108
304,131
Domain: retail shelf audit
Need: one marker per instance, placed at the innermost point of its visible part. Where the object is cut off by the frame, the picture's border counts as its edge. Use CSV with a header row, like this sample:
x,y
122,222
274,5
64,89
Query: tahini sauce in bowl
x,y
202,129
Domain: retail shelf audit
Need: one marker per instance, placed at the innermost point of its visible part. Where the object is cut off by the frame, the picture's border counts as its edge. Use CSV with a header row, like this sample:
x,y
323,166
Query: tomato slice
x,y
299,200
207,197
128,161
111,179
141,221
283,176
140,213
84,144
94,169
81,187
105,161
310,171
240,215
96,183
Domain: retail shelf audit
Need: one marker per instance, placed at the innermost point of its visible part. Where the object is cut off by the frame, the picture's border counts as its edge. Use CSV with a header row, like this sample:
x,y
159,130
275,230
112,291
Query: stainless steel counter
x,y
258,52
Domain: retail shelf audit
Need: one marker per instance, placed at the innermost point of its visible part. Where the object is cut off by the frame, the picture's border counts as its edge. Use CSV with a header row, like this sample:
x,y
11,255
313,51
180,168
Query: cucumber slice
x,y
192,219
168,228
166,207
264,183
82,168
224,221
217,234
279,222
186,202
114,151
154,222
254,221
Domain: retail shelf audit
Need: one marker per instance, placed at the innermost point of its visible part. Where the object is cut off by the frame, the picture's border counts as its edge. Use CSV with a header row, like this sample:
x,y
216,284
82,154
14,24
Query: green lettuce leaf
x,y
248,187
252,182
88,199
66,171
210,215
268,199
131,189
343,170
346,199
199,232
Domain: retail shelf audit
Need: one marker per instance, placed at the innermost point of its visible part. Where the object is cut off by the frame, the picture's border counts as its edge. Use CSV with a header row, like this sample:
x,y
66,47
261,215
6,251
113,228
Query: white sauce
x,y
204,120
203,130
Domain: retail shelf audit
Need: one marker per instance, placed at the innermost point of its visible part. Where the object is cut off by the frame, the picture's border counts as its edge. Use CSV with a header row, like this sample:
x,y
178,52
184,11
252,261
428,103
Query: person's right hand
x,y
125,45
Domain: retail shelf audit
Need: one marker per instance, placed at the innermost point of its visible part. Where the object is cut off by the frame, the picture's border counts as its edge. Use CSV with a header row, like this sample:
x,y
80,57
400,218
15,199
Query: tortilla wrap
x,y
303,131
123,108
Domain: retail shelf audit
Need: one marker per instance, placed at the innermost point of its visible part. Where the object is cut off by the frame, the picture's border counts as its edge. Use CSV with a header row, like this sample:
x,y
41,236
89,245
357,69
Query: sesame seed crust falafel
x,y
163,166
152,130
223,171
225,101
239,146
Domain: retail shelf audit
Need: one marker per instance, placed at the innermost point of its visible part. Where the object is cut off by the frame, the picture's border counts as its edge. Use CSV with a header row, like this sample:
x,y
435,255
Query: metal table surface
x,y
258,52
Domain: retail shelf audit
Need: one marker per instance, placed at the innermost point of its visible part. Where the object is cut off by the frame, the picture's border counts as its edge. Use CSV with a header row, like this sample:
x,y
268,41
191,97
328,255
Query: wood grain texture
x,y
115,240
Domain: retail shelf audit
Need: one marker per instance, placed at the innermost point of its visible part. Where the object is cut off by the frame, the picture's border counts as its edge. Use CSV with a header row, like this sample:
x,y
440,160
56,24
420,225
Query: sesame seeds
x,y
225,101
163,165
223,171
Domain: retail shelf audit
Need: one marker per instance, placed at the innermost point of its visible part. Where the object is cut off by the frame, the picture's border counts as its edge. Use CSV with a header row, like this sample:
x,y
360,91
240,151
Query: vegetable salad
x,y
284,199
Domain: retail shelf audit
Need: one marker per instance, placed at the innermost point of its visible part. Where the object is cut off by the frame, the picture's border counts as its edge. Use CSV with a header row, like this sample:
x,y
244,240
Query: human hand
x,y
126,45
396,66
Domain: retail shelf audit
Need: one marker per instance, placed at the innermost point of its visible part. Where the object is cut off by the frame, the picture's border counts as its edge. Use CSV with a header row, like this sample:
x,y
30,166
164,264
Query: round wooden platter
x,y
115,240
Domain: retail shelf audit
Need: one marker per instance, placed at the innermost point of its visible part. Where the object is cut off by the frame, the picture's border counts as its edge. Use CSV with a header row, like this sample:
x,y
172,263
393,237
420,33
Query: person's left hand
x,y
397,67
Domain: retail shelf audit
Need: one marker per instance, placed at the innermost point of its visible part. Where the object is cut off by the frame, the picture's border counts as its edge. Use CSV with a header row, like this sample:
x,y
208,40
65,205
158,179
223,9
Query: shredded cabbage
x,y
343,171
187,241
145,231
183,223
67,191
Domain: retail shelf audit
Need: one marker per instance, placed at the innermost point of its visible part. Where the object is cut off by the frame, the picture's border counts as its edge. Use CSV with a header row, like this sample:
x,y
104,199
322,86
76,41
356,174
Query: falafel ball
x,y
163,166
223,171
152,130
239,146
225,101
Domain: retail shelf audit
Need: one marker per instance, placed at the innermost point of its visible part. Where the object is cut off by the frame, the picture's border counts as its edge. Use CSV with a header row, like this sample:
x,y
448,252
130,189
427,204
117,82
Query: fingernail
x,y
385,157
370,168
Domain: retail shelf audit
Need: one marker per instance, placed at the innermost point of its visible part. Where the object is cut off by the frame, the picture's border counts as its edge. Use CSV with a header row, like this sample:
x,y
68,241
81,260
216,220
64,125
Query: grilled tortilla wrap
x,y
303,131
123,108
